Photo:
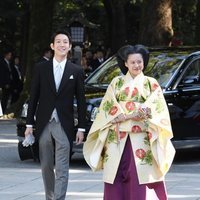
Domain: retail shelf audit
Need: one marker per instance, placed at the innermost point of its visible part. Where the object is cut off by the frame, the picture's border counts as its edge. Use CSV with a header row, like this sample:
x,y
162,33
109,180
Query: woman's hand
x,y
142,114
134,117
119,118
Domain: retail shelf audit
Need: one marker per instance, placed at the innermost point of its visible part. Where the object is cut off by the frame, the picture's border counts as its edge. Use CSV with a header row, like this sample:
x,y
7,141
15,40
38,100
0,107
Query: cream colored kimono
x,y
150,139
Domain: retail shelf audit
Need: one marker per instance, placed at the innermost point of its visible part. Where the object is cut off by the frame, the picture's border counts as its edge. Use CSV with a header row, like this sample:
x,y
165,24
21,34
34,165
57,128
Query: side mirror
x,y
190,79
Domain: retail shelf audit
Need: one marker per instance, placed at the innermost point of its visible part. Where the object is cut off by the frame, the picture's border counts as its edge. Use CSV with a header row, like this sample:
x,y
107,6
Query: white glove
x,y
29,140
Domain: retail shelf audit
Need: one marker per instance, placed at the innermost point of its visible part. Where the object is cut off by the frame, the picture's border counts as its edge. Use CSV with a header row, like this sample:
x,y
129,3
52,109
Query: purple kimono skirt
x,y
126,185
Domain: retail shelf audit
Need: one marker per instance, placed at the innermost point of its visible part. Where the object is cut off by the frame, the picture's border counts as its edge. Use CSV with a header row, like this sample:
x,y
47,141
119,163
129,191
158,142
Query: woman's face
x,y
135,64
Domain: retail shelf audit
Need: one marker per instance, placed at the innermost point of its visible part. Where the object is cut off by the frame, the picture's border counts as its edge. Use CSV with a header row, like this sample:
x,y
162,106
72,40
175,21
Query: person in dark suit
x,y
98,60
18,80
47,55
51,101
6,78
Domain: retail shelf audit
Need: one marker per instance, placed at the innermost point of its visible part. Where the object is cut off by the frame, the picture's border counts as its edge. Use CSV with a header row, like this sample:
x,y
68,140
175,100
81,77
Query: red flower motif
x,y
154,86
122,134
134,92
130,106
140,153
136,129
126,91
149,134
113,110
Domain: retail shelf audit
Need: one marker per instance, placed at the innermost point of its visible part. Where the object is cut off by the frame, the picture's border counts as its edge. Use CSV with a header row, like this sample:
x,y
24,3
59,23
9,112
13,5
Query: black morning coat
x,y
44,98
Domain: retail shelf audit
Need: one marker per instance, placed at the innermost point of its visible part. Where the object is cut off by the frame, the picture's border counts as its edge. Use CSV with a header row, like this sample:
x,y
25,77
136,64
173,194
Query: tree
x,y
197,32
8,14
39,32
117,22
156,23
185,20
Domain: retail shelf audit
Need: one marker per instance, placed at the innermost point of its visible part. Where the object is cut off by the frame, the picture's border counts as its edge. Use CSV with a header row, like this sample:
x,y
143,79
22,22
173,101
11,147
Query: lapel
x,y
51,76
65,77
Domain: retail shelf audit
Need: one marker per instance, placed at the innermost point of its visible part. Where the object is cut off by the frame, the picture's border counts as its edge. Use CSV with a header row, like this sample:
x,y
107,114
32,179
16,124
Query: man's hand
x,y
28,131
79,137
29,138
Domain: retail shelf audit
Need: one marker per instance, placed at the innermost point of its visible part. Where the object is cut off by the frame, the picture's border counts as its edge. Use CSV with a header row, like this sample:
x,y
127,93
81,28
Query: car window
x,y
192,74
105,73
161,66
163,70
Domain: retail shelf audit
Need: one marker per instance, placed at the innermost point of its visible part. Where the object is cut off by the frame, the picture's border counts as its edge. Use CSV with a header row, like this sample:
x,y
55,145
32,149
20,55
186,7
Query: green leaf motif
x,y
119,83
142,99
148,158
105,158
159,106
147,85
146,140
112,137
107,105
121,96
136,98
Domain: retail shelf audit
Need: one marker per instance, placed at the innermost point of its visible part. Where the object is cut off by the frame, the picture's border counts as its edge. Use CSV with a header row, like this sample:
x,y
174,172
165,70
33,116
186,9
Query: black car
x,y
178,73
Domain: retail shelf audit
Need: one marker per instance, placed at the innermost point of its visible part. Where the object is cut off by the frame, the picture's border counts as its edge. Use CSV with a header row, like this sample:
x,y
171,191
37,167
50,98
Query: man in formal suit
x,y
98,60
18,80
47,55
6,78
51,102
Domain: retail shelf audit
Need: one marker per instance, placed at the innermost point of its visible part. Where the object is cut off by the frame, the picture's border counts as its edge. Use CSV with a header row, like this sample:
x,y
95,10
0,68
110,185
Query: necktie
x,y
10,71
18,72
58,76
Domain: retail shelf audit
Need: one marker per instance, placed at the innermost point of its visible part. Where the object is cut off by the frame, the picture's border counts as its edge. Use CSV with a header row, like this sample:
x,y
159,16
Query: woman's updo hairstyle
x,y
125,51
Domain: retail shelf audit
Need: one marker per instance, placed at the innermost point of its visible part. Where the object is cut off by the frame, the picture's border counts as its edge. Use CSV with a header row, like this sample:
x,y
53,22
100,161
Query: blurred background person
x,y
47,55
84,63
6,78
17,81
98,60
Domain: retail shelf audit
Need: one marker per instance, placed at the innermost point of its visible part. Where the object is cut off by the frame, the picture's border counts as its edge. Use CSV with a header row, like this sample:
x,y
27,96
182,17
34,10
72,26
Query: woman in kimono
x,y
130,139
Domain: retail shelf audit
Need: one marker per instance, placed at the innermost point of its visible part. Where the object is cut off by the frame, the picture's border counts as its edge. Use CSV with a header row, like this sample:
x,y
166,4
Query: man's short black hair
x,y
7,51
46,50
61,31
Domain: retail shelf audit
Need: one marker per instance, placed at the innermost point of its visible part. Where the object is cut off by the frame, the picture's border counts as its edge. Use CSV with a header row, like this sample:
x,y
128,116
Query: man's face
x,y
8,56
48,54
61,45
100,54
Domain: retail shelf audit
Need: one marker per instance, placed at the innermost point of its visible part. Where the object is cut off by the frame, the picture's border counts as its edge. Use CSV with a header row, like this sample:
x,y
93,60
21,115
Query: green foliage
x,y
184,20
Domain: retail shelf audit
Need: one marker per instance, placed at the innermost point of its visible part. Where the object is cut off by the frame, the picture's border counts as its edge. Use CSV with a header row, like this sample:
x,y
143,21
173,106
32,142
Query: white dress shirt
x,y
60,71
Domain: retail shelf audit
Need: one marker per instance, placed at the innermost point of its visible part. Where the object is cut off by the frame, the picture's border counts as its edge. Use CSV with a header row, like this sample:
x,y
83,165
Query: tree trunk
x,y
117,22
156,24
39,32
197,32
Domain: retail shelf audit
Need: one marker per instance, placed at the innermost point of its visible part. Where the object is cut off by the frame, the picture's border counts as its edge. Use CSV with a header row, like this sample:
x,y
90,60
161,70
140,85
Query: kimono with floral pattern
x,y
150,138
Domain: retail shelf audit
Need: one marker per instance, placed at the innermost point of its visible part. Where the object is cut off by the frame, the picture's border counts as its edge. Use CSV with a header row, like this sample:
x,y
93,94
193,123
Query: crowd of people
x,y
92,60
11,79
